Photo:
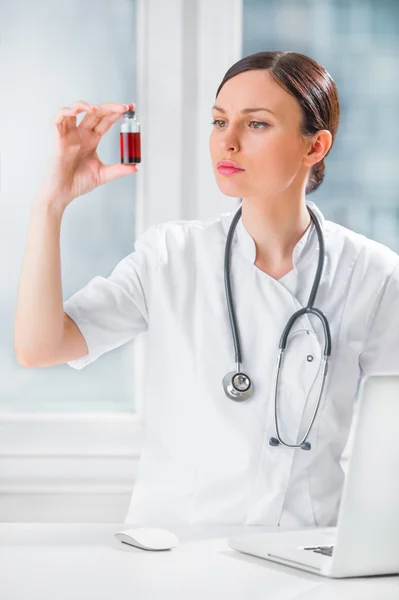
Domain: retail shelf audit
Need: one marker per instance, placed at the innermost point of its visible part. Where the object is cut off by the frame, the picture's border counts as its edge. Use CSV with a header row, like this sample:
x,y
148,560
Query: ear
x,y
319,145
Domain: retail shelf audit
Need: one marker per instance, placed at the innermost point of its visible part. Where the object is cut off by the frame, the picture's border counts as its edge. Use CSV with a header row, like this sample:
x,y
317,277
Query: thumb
x,y
110,172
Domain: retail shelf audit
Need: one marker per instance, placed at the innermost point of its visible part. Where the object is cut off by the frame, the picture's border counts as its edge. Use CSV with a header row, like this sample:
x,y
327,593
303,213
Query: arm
x,y
43,333
381,350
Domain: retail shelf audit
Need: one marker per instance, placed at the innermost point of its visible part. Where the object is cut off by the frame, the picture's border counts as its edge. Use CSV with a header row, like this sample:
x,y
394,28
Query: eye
x,y
257,122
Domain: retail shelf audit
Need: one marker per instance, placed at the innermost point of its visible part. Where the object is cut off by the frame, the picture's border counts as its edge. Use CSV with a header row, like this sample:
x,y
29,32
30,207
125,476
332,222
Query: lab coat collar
x,y
304,250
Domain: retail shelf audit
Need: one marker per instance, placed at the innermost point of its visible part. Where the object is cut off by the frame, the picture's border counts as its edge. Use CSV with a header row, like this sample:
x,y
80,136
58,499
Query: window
x,y
357,43
55,53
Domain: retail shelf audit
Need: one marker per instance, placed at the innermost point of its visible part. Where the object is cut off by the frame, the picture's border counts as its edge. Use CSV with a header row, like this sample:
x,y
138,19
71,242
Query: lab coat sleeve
x,y
381,350
112,311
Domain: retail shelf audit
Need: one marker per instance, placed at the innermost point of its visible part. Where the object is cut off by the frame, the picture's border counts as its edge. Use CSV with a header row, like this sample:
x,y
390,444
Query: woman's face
x,y
268,146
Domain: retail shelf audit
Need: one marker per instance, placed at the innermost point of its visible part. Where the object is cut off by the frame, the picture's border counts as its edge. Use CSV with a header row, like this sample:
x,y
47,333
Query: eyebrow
x,y
245,110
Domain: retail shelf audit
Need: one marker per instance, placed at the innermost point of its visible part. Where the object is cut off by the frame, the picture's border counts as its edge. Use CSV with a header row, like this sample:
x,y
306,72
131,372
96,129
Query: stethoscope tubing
x,y
237,385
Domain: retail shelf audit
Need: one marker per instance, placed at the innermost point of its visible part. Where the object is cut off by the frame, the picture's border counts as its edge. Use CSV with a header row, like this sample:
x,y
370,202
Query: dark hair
x,y
311,85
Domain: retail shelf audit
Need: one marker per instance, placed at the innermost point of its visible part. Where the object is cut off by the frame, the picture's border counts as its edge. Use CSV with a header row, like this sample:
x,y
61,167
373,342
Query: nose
x,y
229,147
229,142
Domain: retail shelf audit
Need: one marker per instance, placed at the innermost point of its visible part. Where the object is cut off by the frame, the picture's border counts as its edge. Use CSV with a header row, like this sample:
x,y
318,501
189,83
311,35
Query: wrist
x,y
49,204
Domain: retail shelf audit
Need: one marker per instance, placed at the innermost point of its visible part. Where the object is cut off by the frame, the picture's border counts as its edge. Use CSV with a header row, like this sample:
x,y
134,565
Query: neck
x,y
276,227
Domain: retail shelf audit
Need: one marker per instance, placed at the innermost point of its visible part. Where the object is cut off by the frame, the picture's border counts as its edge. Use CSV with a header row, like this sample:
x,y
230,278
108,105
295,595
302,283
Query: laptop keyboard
x,y
326,550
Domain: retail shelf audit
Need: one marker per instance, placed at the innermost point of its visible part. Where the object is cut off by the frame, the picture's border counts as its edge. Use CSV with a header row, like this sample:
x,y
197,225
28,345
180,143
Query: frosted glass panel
x,y
53,54
357,41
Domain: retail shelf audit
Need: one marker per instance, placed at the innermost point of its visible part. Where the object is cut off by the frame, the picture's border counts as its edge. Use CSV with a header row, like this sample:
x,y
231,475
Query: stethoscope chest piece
x,y
237,386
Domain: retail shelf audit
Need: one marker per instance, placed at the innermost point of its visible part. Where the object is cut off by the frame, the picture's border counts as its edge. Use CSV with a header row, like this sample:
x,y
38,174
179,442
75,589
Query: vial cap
x,y
129,113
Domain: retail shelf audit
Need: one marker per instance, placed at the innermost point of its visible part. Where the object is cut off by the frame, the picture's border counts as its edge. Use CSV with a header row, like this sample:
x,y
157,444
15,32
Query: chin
x,y
233,190
232,194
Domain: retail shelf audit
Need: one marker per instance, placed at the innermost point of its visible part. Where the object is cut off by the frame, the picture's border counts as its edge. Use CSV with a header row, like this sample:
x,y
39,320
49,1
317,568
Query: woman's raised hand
x,y
75,167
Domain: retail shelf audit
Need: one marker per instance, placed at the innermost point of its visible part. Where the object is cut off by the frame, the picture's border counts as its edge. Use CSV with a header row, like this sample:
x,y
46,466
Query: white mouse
x,y
148,538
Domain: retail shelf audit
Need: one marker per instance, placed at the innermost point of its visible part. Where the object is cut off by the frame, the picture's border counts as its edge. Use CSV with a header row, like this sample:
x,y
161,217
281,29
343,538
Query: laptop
x,y
365,540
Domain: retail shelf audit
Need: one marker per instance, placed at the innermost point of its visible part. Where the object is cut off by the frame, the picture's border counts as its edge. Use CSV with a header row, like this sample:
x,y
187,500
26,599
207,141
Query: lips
x,y
229,170
229,164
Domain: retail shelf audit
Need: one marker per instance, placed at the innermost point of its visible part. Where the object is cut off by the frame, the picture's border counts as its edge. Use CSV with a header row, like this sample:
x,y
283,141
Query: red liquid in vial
x,y
130,144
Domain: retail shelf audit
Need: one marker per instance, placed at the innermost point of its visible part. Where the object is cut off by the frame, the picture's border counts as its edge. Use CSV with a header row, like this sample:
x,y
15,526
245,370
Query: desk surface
x,y
76,561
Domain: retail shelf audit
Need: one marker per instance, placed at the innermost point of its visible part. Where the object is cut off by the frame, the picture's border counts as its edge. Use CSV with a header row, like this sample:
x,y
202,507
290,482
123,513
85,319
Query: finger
x,y
81,103
67,115
110,172
104,124
113,106
110,110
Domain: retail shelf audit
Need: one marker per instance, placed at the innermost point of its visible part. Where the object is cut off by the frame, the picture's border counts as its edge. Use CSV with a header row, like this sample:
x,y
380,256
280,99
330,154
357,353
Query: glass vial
x,y
130,140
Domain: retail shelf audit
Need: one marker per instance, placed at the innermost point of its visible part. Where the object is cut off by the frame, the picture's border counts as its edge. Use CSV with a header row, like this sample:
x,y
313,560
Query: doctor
x,y
210,457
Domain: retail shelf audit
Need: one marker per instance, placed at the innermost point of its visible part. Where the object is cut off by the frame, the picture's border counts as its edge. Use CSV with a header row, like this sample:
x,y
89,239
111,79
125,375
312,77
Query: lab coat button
x,y
309,357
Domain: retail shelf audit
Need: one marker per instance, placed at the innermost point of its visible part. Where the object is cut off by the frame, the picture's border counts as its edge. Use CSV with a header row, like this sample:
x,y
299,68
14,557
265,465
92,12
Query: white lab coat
x,y
206,458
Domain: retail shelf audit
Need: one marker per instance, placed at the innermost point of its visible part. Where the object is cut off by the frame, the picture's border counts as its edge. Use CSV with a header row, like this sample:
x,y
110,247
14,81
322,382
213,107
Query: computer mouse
x,y
148,538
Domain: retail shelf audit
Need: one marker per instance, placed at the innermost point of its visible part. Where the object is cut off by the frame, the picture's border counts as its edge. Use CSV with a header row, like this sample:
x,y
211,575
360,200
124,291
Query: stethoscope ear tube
x,y
237,385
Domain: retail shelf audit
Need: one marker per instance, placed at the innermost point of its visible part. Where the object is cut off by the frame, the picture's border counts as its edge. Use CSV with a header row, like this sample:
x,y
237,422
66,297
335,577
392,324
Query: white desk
x,y
59,561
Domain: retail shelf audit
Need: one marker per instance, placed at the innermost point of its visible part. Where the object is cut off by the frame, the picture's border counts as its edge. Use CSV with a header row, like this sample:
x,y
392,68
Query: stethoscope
x,y
237,385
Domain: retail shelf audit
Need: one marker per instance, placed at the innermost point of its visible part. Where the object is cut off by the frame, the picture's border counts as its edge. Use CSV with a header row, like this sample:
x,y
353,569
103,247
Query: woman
x,y
208,458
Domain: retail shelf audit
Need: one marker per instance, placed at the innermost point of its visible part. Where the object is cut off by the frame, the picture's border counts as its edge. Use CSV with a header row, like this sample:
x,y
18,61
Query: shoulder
x,y
367,254
215,223
176,236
